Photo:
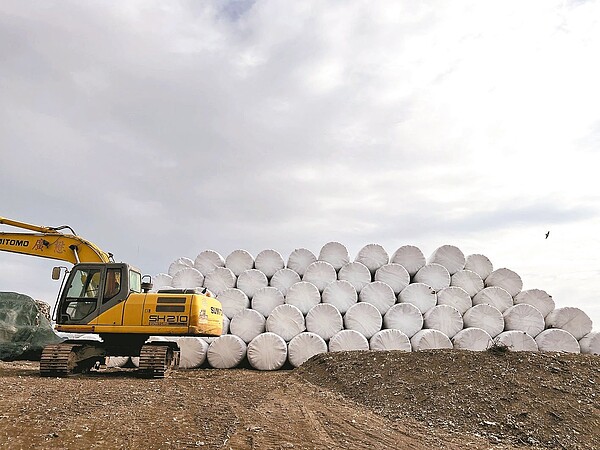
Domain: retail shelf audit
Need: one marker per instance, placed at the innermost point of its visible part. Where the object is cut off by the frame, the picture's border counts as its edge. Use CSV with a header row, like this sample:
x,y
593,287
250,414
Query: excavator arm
x,y
49,242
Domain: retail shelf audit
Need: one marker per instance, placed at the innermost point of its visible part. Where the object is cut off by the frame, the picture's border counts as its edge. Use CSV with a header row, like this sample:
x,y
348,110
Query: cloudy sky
x,y
161,129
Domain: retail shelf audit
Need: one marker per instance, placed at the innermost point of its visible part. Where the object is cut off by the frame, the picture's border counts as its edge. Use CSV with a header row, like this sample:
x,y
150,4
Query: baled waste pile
x,y
279,311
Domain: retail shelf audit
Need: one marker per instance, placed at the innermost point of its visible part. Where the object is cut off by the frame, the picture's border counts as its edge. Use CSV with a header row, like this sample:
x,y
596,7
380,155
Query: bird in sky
x,y
547,234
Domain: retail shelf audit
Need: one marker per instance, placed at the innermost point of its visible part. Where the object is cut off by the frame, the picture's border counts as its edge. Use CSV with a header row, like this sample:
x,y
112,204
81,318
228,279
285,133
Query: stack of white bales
x,y
277,311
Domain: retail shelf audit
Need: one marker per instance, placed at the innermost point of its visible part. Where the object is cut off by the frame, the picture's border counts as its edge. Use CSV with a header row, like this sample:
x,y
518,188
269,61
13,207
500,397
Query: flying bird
x,y
547,234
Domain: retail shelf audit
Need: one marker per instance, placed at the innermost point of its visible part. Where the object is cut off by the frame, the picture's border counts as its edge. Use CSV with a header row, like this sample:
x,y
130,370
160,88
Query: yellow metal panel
x,y
134,305
112,316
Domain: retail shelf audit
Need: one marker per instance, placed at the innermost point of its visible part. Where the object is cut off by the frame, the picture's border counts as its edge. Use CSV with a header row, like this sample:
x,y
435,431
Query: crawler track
x,y
155,360
57,360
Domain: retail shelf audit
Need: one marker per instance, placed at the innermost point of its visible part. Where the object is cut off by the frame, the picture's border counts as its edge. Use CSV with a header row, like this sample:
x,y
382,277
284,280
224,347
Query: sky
x,y
161,129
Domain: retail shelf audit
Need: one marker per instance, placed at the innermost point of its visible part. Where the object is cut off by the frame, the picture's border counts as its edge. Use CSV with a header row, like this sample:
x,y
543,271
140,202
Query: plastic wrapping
x,y
405,317
485,317
283,279
570,319
320,273
233,301
468,280
340,294
456,297
347,340
434,275
207,261
390,339
219,279
590,343
495,296
557,340
335,254
178,264
303,295
420,295
324,320
480,264
430,340
538,298
188,278
268,262
506,279
394,275
116,361
356,274
265,300
251,281
410,257
267,351
226,321
373,256
192,352
449,256
525,318
364,318
516,341
287,321
162,280
239,261
226,352
378,294
444,318
474,339
247,324
300,259
304,346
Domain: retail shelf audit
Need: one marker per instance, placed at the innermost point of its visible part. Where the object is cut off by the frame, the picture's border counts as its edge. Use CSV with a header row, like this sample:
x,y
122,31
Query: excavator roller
x,y
157,360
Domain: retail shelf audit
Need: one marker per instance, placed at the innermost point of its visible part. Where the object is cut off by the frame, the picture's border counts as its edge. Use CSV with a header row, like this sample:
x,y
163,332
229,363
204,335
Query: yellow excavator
x,y
114,301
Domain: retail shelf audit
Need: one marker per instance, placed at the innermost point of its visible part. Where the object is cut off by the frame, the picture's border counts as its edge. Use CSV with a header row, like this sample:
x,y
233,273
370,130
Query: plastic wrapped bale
x,y
267,351
405,317
188,278
485,317
420,295
320,273
394,275
207,261
480,264
356,274
516,341
538,298
266,300
364,318
444,318
456,297
410,257
473,339
303,295
304,346
590,343
495,296
468,280
287,321
557,340
324,320
220,279
300,259
24,330
233,301
161,280
178,264
114,362
449,256
335,254
268,262
506,279
525,318
430,340
283,279
226,352
251,281
570,319
373,256
192,352
247,324
390,339
347,340
239,261
340,294
434,275
226,322
378,294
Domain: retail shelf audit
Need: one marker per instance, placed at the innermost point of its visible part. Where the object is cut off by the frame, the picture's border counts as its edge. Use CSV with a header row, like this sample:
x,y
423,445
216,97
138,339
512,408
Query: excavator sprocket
x,y
155,360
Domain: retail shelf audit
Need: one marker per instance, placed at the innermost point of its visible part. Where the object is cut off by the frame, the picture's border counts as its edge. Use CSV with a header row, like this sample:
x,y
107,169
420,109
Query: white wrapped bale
x,y
267,351
390,339
524,317
557,340
268,262
430,340
480,264
378,294
320,273
456,297
434,275
247,324
420,295
162,280
266,300
410,257
239,261
303,295
251,281
373,256
188,278
283,279
444,318
233,301
286,321
178,264
538,298
335,254
356,274
468,280
226,352
473,339
506,279
192,352
304,346
570,319
394,275
516,341
404,317
324,320
495,296
207,261
364,318
226,321
590,343
300,259
220,279
113,362
485,317
347,340
449,256
340,294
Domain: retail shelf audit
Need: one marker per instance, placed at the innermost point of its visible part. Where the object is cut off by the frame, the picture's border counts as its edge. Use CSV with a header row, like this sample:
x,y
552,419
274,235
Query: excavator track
x,y
155,360
57,360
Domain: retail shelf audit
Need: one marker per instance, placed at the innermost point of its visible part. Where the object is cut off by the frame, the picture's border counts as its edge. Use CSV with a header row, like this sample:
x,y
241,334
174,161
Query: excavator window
x,y
82,294
112,286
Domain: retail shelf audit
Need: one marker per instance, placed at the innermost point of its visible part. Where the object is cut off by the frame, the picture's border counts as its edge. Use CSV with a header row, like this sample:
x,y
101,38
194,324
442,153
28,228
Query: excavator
x,y
111,299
